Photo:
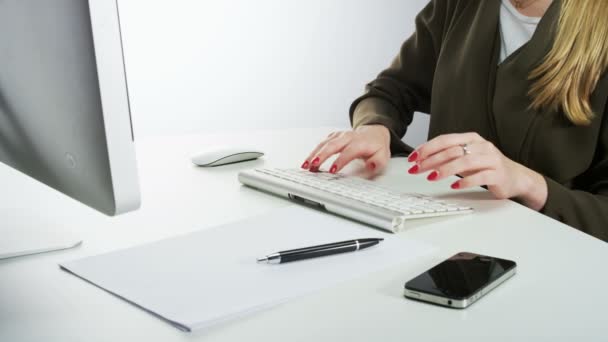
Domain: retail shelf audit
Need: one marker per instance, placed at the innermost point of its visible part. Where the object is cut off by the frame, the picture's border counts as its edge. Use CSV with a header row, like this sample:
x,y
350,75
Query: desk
x,y
558,294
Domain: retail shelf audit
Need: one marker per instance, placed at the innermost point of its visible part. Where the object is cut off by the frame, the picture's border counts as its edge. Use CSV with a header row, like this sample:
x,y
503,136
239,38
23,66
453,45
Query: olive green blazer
x,y
449,68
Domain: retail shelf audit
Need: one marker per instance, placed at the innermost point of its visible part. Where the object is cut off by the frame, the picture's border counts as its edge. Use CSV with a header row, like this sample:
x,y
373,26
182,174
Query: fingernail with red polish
x,y
413,156
305,165
316,161
372,166
414,169
433,176
456,185
333,169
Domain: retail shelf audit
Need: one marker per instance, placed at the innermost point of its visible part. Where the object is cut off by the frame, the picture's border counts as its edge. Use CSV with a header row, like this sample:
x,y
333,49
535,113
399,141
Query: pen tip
x,y
264,259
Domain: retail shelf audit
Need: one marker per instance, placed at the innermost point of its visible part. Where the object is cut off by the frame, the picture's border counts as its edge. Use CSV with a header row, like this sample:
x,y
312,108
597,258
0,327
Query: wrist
x,y
373,127
535,190
382,130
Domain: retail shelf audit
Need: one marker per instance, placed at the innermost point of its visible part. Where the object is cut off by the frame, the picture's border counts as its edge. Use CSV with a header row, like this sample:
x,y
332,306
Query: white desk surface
x,y
559,293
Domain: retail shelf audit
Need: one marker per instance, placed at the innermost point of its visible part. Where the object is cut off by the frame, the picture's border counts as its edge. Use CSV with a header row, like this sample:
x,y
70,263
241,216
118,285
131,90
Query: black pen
x,y
319,251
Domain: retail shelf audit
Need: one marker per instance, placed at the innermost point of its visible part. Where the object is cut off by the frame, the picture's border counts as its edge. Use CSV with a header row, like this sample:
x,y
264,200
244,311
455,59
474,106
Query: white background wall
x,y
197,66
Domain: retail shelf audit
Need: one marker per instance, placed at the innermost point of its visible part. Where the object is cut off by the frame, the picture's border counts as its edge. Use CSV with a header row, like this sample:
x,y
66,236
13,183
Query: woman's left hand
x,y
479,162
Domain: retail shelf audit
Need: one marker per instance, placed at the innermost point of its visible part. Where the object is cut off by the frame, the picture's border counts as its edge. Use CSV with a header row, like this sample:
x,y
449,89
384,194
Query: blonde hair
x,y
569,73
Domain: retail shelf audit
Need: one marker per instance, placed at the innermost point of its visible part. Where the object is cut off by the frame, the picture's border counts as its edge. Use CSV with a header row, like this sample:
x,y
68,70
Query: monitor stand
x,y
33,217
19,243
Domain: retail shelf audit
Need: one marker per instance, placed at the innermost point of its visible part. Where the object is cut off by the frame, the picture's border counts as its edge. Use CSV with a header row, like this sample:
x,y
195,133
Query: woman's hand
x,y
370,143
480,163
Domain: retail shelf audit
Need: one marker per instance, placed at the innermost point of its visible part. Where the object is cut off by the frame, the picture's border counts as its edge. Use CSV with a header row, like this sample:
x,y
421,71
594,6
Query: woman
x,y
517,91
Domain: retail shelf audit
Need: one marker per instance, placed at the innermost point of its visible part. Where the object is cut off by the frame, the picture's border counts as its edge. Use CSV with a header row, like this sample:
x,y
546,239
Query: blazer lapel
x,y
465,68
511,104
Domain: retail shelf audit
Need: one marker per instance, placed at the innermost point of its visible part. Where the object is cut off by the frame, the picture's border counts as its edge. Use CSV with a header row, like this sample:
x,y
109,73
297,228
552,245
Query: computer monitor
x,y
64,104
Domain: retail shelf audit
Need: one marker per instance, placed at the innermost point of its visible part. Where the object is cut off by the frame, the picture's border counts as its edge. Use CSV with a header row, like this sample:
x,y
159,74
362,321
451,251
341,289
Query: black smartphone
x,y
460,280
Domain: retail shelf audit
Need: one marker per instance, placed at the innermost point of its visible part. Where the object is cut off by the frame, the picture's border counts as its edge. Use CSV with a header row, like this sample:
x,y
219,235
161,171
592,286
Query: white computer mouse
x,y
225,155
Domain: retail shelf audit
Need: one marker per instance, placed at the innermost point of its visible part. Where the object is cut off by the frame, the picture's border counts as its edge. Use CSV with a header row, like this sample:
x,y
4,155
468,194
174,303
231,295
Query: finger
x,y
317,148
330,136
437,159
466,174
486,177
353,151
468,163
443,142
377,162
330,148
333,134
313,153
308,162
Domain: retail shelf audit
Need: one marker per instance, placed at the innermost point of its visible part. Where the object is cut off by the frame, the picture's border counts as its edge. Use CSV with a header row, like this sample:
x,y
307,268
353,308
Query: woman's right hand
x,y
370,143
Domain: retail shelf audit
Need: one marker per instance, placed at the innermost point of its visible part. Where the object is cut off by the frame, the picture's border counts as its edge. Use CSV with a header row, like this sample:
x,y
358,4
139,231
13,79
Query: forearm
x,y
376,111
371,111
583,210
406,85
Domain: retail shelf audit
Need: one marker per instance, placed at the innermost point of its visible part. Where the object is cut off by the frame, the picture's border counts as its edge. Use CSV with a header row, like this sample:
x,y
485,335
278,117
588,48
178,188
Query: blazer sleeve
x,y
584,204
405,87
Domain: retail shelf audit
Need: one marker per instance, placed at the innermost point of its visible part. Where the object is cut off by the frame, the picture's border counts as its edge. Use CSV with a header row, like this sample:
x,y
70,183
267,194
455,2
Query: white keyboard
x,y
350,196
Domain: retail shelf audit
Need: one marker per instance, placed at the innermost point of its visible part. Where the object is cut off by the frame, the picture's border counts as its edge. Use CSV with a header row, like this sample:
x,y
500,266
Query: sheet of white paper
x,y
210,276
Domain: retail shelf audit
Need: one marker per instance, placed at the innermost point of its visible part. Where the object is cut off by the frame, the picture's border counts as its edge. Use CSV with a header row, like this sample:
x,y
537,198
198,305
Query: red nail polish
x,y
413,156
456,185
333,169
305,165
433,176
372,166
316,161
414,169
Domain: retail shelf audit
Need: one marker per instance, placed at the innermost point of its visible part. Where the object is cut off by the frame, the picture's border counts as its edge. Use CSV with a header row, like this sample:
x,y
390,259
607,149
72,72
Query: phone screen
x,y
460,276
